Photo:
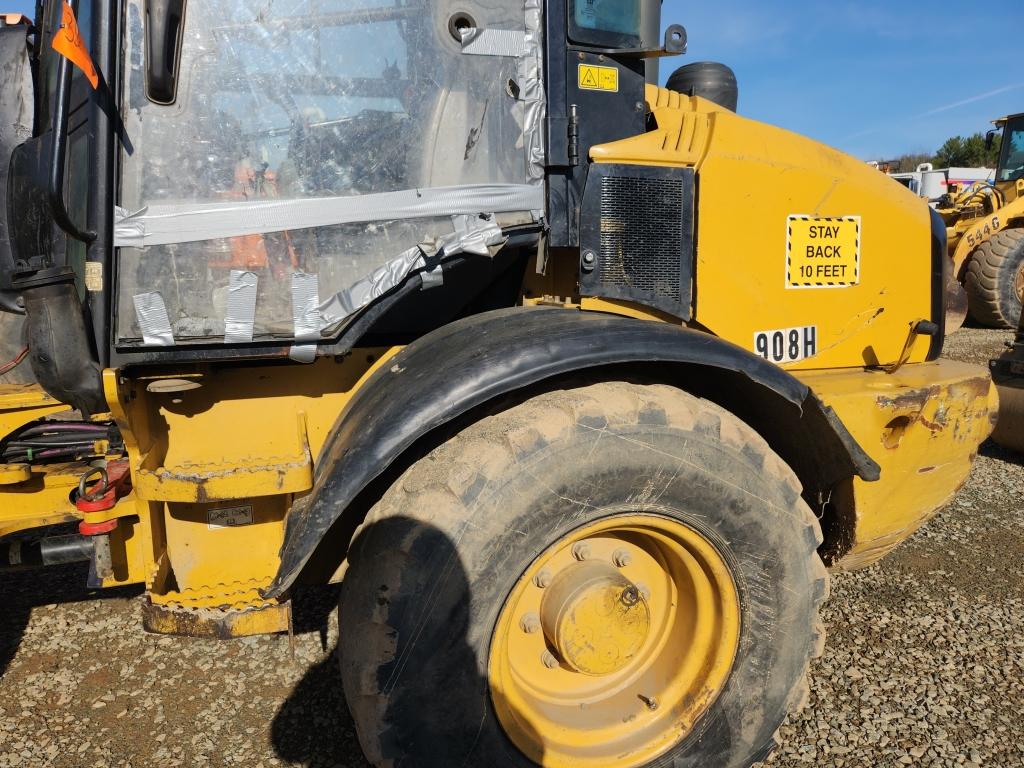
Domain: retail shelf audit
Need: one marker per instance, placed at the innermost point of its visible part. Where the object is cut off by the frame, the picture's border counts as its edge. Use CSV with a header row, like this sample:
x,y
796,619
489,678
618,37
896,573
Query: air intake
x,y
636,236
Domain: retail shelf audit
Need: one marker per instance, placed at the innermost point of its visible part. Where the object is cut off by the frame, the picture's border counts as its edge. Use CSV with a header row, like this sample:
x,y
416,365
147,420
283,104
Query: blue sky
x,y
874,78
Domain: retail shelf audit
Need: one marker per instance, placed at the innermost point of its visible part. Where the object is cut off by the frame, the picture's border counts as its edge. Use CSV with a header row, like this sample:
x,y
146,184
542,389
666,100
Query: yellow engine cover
x,y
793,237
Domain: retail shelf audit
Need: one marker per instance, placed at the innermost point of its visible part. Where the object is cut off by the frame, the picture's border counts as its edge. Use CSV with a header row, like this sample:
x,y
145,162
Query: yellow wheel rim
x,y
614,642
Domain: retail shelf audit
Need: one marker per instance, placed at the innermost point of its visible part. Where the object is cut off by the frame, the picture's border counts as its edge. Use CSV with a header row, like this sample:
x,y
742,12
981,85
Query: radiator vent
x,y
641,239
638,222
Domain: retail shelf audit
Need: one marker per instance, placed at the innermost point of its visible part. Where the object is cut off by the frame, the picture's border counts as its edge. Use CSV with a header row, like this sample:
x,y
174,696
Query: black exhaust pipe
x,y
53,550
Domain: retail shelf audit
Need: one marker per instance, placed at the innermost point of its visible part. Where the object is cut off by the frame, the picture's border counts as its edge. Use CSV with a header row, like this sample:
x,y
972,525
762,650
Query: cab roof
x,y
1001,120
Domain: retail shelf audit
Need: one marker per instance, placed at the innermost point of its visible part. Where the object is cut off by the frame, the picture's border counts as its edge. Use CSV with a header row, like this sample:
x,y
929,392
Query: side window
x,y
77,197
306,99
614,23
1014,165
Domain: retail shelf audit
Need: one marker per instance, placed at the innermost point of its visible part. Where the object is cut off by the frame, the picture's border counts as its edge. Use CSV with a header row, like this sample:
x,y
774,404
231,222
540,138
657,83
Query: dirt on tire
x,y
432,565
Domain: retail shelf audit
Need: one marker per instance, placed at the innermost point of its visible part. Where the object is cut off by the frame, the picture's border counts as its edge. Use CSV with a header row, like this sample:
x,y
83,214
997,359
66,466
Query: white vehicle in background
x,y
932,183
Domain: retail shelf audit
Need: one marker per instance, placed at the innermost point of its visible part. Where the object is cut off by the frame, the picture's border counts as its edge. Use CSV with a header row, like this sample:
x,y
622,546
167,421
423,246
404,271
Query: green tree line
x,y
955,151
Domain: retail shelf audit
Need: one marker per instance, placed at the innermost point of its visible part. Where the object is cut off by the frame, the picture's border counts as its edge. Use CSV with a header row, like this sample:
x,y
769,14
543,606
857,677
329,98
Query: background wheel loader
x,y
985,226
447,302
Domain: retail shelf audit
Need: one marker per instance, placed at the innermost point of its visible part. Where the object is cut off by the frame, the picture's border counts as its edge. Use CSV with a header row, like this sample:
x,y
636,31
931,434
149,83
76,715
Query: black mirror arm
x,y
58,151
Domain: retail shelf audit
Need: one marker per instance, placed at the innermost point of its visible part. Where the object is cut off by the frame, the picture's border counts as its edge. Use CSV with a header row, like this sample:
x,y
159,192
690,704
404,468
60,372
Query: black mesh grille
x,y
641,234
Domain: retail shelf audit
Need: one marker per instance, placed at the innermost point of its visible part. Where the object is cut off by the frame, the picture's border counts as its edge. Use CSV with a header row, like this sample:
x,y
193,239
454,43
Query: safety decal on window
x,y
787,345
822,251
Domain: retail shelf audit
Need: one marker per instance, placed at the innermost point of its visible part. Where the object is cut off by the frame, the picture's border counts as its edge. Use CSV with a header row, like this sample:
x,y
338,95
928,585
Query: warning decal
x,y
229,517
822,251
592,78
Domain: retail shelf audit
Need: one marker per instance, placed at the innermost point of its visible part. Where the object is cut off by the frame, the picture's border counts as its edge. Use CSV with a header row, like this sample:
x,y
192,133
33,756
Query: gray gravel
x,y
924,663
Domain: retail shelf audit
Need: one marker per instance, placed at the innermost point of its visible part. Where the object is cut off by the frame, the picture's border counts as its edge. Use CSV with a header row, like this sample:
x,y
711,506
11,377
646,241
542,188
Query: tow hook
x,y
113,483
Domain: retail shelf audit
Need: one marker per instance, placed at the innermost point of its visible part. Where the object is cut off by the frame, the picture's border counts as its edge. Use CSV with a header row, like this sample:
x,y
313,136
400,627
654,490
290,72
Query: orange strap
x,y
68,43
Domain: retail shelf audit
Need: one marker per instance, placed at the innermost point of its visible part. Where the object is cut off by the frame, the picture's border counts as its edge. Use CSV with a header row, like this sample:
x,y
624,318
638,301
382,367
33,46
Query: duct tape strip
x,y
348,301
531,95
153,320
241,311
305,316
493,42
432,276
471,234
165,223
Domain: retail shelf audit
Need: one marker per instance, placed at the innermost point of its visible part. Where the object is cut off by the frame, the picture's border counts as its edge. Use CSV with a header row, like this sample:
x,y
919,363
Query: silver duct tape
x,y
531,94
432,276
154,323
305,316
346,302
302,353
164,223
493,42
241,311
472,234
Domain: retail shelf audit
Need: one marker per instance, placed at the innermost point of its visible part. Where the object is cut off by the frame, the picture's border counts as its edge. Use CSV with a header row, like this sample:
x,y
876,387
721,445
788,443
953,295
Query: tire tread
x,y
435,484
991,270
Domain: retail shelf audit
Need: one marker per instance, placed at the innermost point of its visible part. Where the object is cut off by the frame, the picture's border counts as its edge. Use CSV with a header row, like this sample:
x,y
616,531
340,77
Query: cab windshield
x,y
1011,156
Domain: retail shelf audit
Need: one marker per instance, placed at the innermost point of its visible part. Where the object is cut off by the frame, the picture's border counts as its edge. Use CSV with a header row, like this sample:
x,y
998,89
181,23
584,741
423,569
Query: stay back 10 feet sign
x,y
822,251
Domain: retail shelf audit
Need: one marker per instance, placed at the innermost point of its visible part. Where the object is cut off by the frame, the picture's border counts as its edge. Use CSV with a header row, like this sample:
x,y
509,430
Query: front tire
x,y
439,637
995,280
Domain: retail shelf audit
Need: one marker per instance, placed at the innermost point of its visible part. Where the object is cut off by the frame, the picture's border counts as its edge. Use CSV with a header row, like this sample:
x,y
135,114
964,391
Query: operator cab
x,y
1011,153
237,160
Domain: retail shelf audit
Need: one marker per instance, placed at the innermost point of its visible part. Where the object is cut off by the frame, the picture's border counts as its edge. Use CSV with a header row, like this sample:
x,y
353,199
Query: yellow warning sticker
x,y
592,78
822,251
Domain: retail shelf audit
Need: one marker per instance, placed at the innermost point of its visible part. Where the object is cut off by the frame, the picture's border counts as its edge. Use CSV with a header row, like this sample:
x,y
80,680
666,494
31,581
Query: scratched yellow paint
x,y
921,425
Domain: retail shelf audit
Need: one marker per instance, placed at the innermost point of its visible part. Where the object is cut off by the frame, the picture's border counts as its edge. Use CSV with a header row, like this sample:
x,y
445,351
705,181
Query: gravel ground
x,y
924,663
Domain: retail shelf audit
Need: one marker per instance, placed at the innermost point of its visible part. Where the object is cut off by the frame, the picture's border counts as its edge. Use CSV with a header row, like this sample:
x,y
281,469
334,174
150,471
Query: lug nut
x,y
581,550
529,623
542,579
621,558
549,660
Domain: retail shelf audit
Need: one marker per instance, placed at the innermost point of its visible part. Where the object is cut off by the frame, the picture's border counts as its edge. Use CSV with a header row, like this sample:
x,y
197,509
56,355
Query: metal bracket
x,y
674,45
917,328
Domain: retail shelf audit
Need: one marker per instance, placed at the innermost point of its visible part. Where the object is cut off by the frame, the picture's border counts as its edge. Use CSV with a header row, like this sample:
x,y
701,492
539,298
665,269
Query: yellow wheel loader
x,y
985,222
577,384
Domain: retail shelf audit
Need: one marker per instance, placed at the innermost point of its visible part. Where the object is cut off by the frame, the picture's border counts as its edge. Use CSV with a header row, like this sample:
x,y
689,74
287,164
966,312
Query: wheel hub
x,y
614,642
595,618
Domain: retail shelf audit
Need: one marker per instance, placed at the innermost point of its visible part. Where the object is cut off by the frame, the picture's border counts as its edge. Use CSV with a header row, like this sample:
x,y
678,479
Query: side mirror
x,y
165,23
990,140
